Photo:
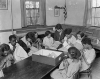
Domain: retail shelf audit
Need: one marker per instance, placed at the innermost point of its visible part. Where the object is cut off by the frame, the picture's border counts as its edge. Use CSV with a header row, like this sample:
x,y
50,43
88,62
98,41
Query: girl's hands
x,y
9,57
65,64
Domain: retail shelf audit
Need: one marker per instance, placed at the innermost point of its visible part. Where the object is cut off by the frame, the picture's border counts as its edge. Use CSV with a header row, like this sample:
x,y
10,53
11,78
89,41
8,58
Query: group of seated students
x,y
77,48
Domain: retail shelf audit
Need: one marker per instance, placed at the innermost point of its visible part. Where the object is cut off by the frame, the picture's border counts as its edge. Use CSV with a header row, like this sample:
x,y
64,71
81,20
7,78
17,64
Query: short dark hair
x,y
67,31
4,47
58,26
81,34
31,36
12,36
47,33
35,33
86,40
74,52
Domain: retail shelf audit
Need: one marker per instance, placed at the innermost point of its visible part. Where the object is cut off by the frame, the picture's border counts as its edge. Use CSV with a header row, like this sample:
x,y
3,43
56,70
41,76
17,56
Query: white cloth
x,y
11,47
19,53
1,73
78,45
90,56
26,42
67,42
24,39
71,40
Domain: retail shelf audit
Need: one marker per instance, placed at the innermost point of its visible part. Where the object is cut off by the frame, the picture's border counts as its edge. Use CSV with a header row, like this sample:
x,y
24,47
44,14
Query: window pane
x,y
28,14
28,20
32,12
27,4
31,4
96,3
37,4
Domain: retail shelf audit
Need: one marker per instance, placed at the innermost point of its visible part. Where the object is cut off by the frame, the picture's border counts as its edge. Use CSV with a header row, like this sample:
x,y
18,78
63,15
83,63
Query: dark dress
x,y
24,46
58,37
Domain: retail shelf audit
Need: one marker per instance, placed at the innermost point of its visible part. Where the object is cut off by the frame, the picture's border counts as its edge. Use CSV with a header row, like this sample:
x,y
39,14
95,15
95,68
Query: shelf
x,y
95,7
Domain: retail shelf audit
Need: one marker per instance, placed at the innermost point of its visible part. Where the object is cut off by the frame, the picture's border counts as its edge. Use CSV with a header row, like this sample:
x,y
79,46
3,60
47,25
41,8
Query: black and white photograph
x,y
49,39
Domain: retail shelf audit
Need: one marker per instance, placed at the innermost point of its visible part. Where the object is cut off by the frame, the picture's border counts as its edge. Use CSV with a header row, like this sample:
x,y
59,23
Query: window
x,y
96,3
32,12
94,13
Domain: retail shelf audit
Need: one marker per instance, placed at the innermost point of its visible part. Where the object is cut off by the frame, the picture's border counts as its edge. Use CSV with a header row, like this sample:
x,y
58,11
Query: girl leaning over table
x,y
6,57
68,41
79,36
69,66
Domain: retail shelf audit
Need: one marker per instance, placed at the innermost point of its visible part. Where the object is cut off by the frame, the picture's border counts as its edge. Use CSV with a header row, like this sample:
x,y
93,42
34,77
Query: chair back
x,y
76,75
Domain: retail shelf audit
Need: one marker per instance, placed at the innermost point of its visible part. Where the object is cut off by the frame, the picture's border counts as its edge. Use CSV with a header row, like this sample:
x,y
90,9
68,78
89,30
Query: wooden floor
x,y
95,71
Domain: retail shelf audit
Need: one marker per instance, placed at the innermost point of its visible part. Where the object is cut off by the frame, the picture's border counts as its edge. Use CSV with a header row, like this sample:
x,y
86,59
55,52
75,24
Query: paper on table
x,y
56,44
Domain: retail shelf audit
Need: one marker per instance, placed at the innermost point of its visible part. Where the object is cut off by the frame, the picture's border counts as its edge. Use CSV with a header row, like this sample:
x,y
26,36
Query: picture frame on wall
x,y
56,12
3,4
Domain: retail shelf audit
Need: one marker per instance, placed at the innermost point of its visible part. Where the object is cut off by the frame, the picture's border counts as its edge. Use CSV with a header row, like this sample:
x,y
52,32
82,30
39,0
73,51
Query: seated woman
x,y
88,54
6,57
68,41
69,66
18,52
58,35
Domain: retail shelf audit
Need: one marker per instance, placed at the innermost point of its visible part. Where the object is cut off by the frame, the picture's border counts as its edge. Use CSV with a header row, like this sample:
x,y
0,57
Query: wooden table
x,y
27,69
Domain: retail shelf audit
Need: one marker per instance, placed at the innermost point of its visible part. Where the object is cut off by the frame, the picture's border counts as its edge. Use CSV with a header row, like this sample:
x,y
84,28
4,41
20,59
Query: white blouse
x,y
48,41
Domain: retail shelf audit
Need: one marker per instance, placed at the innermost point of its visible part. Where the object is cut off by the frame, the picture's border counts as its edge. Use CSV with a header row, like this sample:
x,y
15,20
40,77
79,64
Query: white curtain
x,y
87,20
92,15
42,19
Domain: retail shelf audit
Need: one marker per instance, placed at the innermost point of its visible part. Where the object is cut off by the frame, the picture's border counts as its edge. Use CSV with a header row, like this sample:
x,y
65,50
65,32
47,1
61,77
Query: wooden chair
x,y
75,75
88,71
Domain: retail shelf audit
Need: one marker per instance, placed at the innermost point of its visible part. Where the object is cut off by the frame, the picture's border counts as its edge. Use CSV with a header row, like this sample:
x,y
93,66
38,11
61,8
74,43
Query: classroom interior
x,y
19,17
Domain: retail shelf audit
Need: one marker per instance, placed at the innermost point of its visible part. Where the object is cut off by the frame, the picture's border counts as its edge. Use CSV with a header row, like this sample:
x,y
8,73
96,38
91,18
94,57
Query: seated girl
x,y
28,43
25,42
38,41
36,44
6,58
88,54
6,54
69,66
68,41
18,52
48,41
79,36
